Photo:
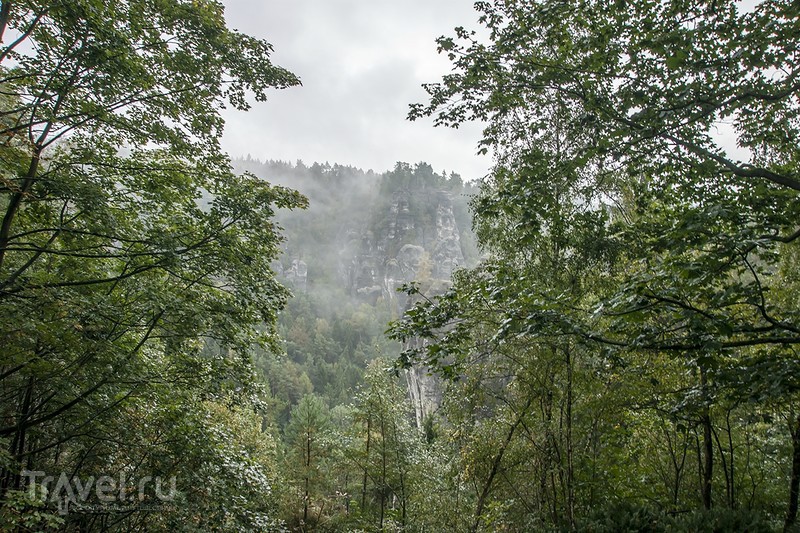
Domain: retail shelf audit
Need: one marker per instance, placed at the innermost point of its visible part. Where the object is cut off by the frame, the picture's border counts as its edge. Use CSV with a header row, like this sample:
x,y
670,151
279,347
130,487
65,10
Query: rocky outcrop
x,y
419,240
424,391
297,275
401,221
447,254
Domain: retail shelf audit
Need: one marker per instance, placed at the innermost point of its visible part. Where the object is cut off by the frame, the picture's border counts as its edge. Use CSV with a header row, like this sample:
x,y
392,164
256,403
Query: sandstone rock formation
x,y
419,241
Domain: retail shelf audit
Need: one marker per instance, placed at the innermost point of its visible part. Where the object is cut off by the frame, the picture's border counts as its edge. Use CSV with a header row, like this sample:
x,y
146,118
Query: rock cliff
x,y
418,240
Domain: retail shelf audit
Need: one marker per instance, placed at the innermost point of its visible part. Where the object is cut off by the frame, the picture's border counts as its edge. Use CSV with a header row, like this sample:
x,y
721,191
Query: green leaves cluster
x,y
603,120
632,246
134,264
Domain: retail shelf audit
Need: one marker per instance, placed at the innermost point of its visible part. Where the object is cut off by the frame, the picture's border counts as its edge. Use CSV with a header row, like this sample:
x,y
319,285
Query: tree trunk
x,y
366,462
5,13
346,494
496,466
731,459
708,445
570,467
677,464
725,471
794,483
15,203
307,480
384,484
401,472
11,478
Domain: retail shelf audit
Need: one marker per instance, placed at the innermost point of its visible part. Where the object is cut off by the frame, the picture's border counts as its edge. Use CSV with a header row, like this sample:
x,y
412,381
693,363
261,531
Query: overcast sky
x,y
361,63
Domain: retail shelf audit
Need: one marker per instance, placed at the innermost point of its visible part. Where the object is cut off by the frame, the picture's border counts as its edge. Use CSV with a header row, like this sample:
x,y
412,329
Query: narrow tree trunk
x,y
401,471
732,457
498,459
15,203
725,471
570,467
11,476
677,465
550,457
794,483
346,494
5,14
708,445
366,462
384,484
307,480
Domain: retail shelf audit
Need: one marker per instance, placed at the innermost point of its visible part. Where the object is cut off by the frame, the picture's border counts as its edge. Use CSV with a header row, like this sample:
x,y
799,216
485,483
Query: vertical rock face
x,y
419,240
424,390
401,221
447,254
297,275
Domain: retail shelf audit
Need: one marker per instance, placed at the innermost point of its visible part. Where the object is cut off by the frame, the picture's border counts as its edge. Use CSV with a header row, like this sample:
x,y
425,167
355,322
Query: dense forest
x,y
599,335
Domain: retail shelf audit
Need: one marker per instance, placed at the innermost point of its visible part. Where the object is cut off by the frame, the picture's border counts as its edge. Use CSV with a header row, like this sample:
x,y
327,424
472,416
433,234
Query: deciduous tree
x,y
132,260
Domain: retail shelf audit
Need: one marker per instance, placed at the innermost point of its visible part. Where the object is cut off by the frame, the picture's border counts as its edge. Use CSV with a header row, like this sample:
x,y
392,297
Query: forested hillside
x,y
345,257
599,335
354,431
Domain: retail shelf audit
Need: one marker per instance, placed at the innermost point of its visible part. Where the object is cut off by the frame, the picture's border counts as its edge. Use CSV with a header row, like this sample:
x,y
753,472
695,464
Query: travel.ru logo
x,y
102,493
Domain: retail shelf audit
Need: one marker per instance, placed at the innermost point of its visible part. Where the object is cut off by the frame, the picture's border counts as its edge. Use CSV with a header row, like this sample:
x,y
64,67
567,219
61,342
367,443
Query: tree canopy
x,y
642,213
606,123
134,264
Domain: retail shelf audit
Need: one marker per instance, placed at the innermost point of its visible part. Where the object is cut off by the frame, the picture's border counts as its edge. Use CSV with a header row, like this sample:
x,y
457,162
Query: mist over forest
x,y
599,335
338,259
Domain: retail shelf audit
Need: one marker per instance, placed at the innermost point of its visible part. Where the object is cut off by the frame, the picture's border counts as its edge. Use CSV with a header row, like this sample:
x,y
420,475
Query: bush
x,y
625,517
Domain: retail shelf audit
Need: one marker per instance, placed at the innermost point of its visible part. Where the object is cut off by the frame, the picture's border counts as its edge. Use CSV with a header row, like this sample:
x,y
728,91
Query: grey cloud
x,y
361,64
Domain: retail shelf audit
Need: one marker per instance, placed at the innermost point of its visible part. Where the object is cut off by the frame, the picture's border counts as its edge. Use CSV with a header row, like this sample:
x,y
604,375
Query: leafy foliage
x,y
134,264
639,267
